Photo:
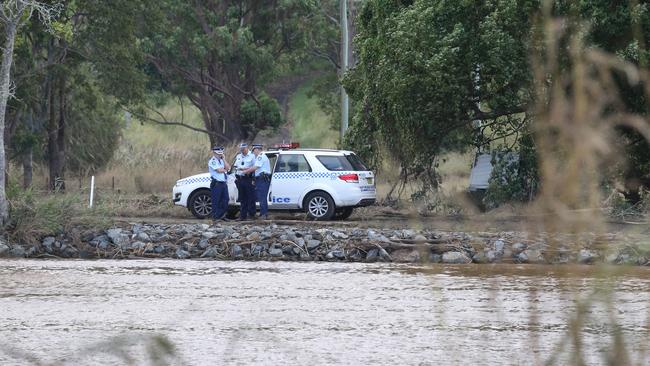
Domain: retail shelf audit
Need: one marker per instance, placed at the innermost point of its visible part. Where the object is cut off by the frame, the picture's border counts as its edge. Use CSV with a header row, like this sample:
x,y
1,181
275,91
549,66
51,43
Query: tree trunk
x,y
55,135
5,77
221,121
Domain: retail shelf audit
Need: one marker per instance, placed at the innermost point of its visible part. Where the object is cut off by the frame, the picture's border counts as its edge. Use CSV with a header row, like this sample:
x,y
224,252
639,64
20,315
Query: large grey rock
x,y
375,236
435,258
356,255
101,241
406,255
137,228
455,258
275,252
259,250
407,234
182,254
204,244
586,256
499,245
492,256
142,236
48,241
211,252
479,257
118,237
372,255
420,238
137,245
254,236
531,256
208,234
518,247
4,249
337,253
312,244
383,254
236,251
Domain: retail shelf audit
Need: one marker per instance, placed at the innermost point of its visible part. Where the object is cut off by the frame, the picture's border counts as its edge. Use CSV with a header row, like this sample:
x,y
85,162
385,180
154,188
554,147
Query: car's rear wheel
x,y
200,204
343,213
319,206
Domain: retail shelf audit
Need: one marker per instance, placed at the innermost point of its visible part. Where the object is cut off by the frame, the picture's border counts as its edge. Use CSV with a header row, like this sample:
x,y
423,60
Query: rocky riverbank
x,y
311,242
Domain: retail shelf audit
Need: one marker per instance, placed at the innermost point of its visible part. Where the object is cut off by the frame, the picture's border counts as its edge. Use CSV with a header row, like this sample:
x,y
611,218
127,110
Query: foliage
x,y
34,215
515,177
256,115
326,90
428,69
217,53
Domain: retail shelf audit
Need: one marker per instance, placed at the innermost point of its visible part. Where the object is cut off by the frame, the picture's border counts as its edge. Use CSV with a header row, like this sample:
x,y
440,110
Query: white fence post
x,y
92,191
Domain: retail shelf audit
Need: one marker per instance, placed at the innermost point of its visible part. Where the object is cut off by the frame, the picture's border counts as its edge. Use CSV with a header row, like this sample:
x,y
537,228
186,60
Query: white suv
x,y
326,184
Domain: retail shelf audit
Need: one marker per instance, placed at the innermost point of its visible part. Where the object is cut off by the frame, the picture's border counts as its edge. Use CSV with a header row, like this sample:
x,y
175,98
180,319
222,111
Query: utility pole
x,y
345,46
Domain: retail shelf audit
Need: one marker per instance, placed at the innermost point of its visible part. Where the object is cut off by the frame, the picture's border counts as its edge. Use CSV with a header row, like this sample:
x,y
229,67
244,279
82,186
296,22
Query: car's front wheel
x,y
200,204
319,206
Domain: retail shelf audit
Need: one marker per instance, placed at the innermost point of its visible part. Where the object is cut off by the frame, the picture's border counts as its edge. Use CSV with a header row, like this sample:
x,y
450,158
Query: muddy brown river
x,y
238,313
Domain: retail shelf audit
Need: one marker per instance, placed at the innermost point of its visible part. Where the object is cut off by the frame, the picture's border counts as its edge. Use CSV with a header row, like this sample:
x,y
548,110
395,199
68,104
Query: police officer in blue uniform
x,y
262,172
218,168
244,161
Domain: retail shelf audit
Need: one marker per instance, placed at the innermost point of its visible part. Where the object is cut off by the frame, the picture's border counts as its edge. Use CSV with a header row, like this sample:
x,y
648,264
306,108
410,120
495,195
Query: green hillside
x,y
309,125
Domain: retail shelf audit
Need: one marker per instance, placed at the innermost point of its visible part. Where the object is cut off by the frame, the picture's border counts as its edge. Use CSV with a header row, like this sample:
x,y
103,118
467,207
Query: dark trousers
x,y
262,191
219,193
247,197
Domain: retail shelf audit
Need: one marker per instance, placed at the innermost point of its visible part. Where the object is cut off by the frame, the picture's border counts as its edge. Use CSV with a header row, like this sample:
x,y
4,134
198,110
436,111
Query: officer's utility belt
x,y
245,176
264,176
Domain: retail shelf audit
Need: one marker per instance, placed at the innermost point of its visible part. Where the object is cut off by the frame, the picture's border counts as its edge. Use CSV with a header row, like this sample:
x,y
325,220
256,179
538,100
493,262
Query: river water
x,y
236,313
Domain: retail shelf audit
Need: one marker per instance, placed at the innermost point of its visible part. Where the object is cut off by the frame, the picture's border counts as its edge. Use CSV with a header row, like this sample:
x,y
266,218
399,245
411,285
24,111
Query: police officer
x,y
218,168
262,172
244,161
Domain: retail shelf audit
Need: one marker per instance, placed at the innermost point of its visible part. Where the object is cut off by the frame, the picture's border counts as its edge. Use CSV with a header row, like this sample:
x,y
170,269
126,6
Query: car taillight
x,y
350,178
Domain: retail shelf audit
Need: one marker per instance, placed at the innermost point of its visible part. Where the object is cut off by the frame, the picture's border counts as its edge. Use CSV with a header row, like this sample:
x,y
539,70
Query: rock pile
x,y
310,243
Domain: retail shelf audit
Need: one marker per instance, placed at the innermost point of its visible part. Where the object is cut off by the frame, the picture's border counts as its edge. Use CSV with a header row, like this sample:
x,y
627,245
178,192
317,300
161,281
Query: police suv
x,y
326,184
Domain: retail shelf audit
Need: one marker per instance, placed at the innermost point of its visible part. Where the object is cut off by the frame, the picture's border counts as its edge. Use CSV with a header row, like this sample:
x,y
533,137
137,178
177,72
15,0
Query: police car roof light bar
x,y
283,146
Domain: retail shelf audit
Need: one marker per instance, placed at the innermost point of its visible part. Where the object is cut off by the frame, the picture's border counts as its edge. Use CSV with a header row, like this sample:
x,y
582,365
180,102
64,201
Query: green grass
x,y
310,126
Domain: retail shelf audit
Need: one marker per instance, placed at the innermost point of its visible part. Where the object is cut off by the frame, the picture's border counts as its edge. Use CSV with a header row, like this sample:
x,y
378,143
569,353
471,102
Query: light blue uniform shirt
x,y
247,160
213,165
263,165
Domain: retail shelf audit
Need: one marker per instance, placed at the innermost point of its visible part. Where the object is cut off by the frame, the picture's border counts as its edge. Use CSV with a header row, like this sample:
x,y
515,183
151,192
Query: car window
x,y
292,163
335,163
356,162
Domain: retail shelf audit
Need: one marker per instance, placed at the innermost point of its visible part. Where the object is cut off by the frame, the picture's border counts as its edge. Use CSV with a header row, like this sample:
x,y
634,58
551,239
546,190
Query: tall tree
x,y
217,52
429,70
13,15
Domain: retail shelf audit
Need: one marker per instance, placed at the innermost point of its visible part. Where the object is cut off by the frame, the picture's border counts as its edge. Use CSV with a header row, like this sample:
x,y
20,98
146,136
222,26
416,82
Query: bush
x,y
34,215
